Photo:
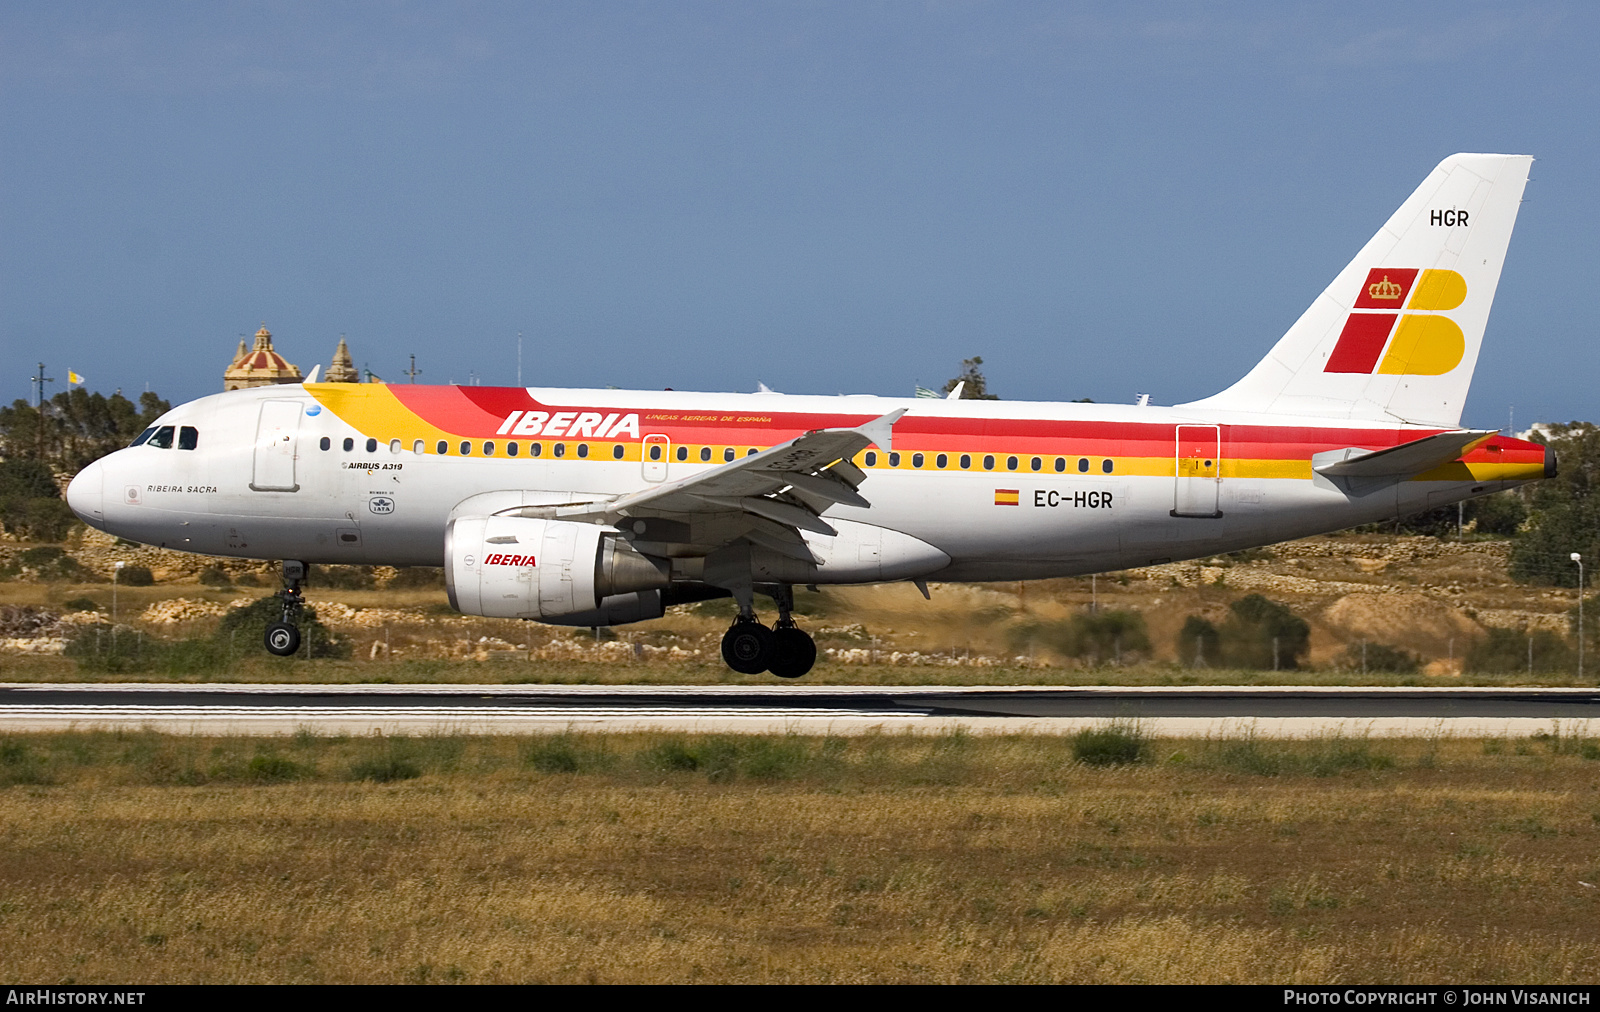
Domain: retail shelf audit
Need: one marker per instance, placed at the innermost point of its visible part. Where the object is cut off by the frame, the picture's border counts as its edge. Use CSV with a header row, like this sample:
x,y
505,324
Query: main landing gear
x,y
786,650
283,636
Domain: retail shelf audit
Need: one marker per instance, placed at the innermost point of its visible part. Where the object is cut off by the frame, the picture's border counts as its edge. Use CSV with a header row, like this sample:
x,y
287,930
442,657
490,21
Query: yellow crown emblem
x,y
1385,289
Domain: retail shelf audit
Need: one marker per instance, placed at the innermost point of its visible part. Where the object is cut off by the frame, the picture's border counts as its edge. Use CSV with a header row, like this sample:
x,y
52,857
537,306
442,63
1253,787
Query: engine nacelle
x,y
552,570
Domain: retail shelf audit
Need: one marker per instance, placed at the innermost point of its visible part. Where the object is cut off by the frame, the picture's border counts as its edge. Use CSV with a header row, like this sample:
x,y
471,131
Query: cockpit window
x,y
162,438
141,437
188,437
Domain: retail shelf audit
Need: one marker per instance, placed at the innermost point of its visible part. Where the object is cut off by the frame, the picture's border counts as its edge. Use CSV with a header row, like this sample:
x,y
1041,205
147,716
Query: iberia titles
x,y
571,424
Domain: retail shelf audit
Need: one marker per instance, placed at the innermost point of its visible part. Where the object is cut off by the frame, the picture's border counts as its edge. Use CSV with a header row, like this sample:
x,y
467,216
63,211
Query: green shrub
x,y
553,755
37,519
418,578
82,604
211,576
1505,652
1199,644
384,770
27,479
1095,636
1380,657
1321,757
52,563
671,755
342,577
273,769
136,576
104,648
1265,635
248,625
21,765
1112,745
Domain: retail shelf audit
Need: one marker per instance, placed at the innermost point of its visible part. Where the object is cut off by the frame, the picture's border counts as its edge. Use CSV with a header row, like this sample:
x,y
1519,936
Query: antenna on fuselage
x,y
413,372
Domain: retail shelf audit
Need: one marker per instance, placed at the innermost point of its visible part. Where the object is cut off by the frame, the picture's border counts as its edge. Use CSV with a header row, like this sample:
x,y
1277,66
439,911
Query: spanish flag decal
x,y
1005,497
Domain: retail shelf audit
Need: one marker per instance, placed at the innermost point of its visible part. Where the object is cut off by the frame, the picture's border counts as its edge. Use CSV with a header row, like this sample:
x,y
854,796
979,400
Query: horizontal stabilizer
x,y
1401,461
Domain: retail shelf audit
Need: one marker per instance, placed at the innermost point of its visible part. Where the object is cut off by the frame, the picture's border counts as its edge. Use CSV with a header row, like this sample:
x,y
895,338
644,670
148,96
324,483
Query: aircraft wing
x,y
767,497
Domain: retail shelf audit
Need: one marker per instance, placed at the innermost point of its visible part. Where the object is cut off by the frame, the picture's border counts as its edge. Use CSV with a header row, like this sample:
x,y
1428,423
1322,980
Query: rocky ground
x,y
1431,597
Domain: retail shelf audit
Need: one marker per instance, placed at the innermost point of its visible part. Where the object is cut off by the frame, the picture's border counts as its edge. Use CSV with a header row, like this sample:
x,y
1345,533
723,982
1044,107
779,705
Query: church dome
x,y
259,365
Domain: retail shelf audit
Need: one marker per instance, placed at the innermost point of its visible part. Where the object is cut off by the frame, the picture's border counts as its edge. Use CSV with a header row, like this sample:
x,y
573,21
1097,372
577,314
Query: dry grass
x,y
138,857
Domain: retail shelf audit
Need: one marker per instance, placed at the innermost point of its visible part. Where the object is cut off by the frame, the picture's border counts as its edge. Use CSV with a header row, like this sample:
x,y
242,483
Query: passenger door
x,y
656,450
276,433
1199,471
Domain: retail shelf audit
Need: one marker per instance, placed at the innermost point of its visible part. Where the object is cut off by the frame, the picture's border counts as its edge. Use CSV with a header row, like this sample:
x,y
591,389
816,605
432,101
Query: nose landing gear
x,y
283,637
786,650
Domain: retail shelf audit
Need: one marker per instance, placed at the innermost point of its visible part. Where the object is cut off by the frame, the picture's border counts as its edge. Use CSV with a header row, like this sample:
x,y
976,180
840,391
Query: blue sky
x,y
1099,199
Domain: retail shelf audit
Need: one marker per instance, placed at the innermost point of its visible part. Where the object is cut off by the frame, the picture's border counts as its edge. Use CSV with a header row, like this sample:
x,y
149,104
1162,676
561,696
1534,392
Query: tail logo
x,y
1419,342
1385,289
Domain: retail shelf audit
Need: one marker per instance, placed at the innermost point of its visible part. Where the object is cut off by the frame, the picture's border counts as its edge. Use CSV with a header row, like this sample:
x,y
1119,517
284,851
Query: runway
x,y
1277,711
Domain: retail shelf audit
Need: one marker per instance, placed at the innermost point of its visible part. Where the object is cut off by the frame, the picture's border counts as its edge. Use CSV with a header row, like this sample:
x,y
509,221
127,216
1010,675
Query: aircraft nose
x,y
86,494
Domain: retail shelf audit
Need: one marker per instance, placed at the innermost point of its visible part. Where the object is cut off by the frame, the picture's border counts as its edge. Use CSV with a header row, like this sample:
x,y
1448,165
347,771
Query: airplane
x,y
603,507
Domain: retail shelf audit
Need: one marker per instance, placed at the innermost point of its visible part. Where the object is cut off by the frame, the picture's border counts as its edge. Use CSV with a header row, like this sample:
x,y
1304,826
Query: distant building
x,y
343,370
259,366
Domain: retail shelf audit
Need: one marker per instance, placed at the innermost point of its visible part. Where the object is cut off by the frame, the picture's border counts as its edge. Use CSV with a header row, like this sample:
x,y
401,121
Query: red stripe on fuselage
x,y
478,412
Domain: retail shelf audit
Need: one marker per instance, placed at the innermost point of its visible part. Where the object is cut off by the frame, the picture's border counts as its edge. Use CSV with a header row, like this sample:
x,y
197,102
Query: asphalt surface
x,y
1102,703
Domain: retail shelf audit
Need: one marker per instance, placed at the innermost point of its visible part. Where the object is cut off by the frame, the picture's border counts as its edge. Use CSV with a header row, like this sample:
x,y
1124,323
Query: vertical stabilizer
x,y
1396,336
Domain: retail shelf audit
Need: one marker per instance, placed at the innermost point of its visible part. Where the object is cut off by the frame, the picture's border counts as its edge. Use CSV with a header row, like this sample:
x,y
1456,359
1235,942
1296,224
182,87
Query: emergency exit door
x,y
656,449
1199,471
276,431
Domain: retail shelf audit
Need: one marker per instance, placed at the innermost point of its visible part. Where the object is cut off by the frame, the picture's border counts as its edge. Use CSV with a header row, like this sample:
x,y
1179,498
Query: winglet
x,y
955,391
314,371
881,430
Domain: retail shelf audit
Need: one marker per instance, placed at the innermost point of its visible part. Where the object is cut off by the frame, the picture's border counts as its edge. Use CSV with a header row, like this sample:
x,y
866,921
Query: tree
x,y
1264,634
75,427
975,387
1564,511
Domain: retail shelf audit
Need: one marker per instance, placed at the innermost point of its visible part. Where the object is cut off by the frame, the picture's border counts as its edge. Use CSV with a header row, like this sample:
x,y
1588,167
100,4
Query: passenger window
x,y
916,460
655,451
394,445
466,448
1061,463
1036,463
561,449
142,437
488,449
350,444
1105,465
372,446
511,449
894,460
966,461
535,449
441,448
163,438
705,453
583,449
617,451
1011,463
988,462
326,443
727,454
419,447
872,459
1083,464
942,460
750,452
683,453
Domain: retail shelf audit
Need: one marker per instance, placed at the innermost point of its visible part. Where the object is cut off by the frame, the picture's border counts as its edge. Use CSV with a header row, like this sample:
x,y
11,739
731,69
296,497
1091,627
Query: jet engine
x,y
552,570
